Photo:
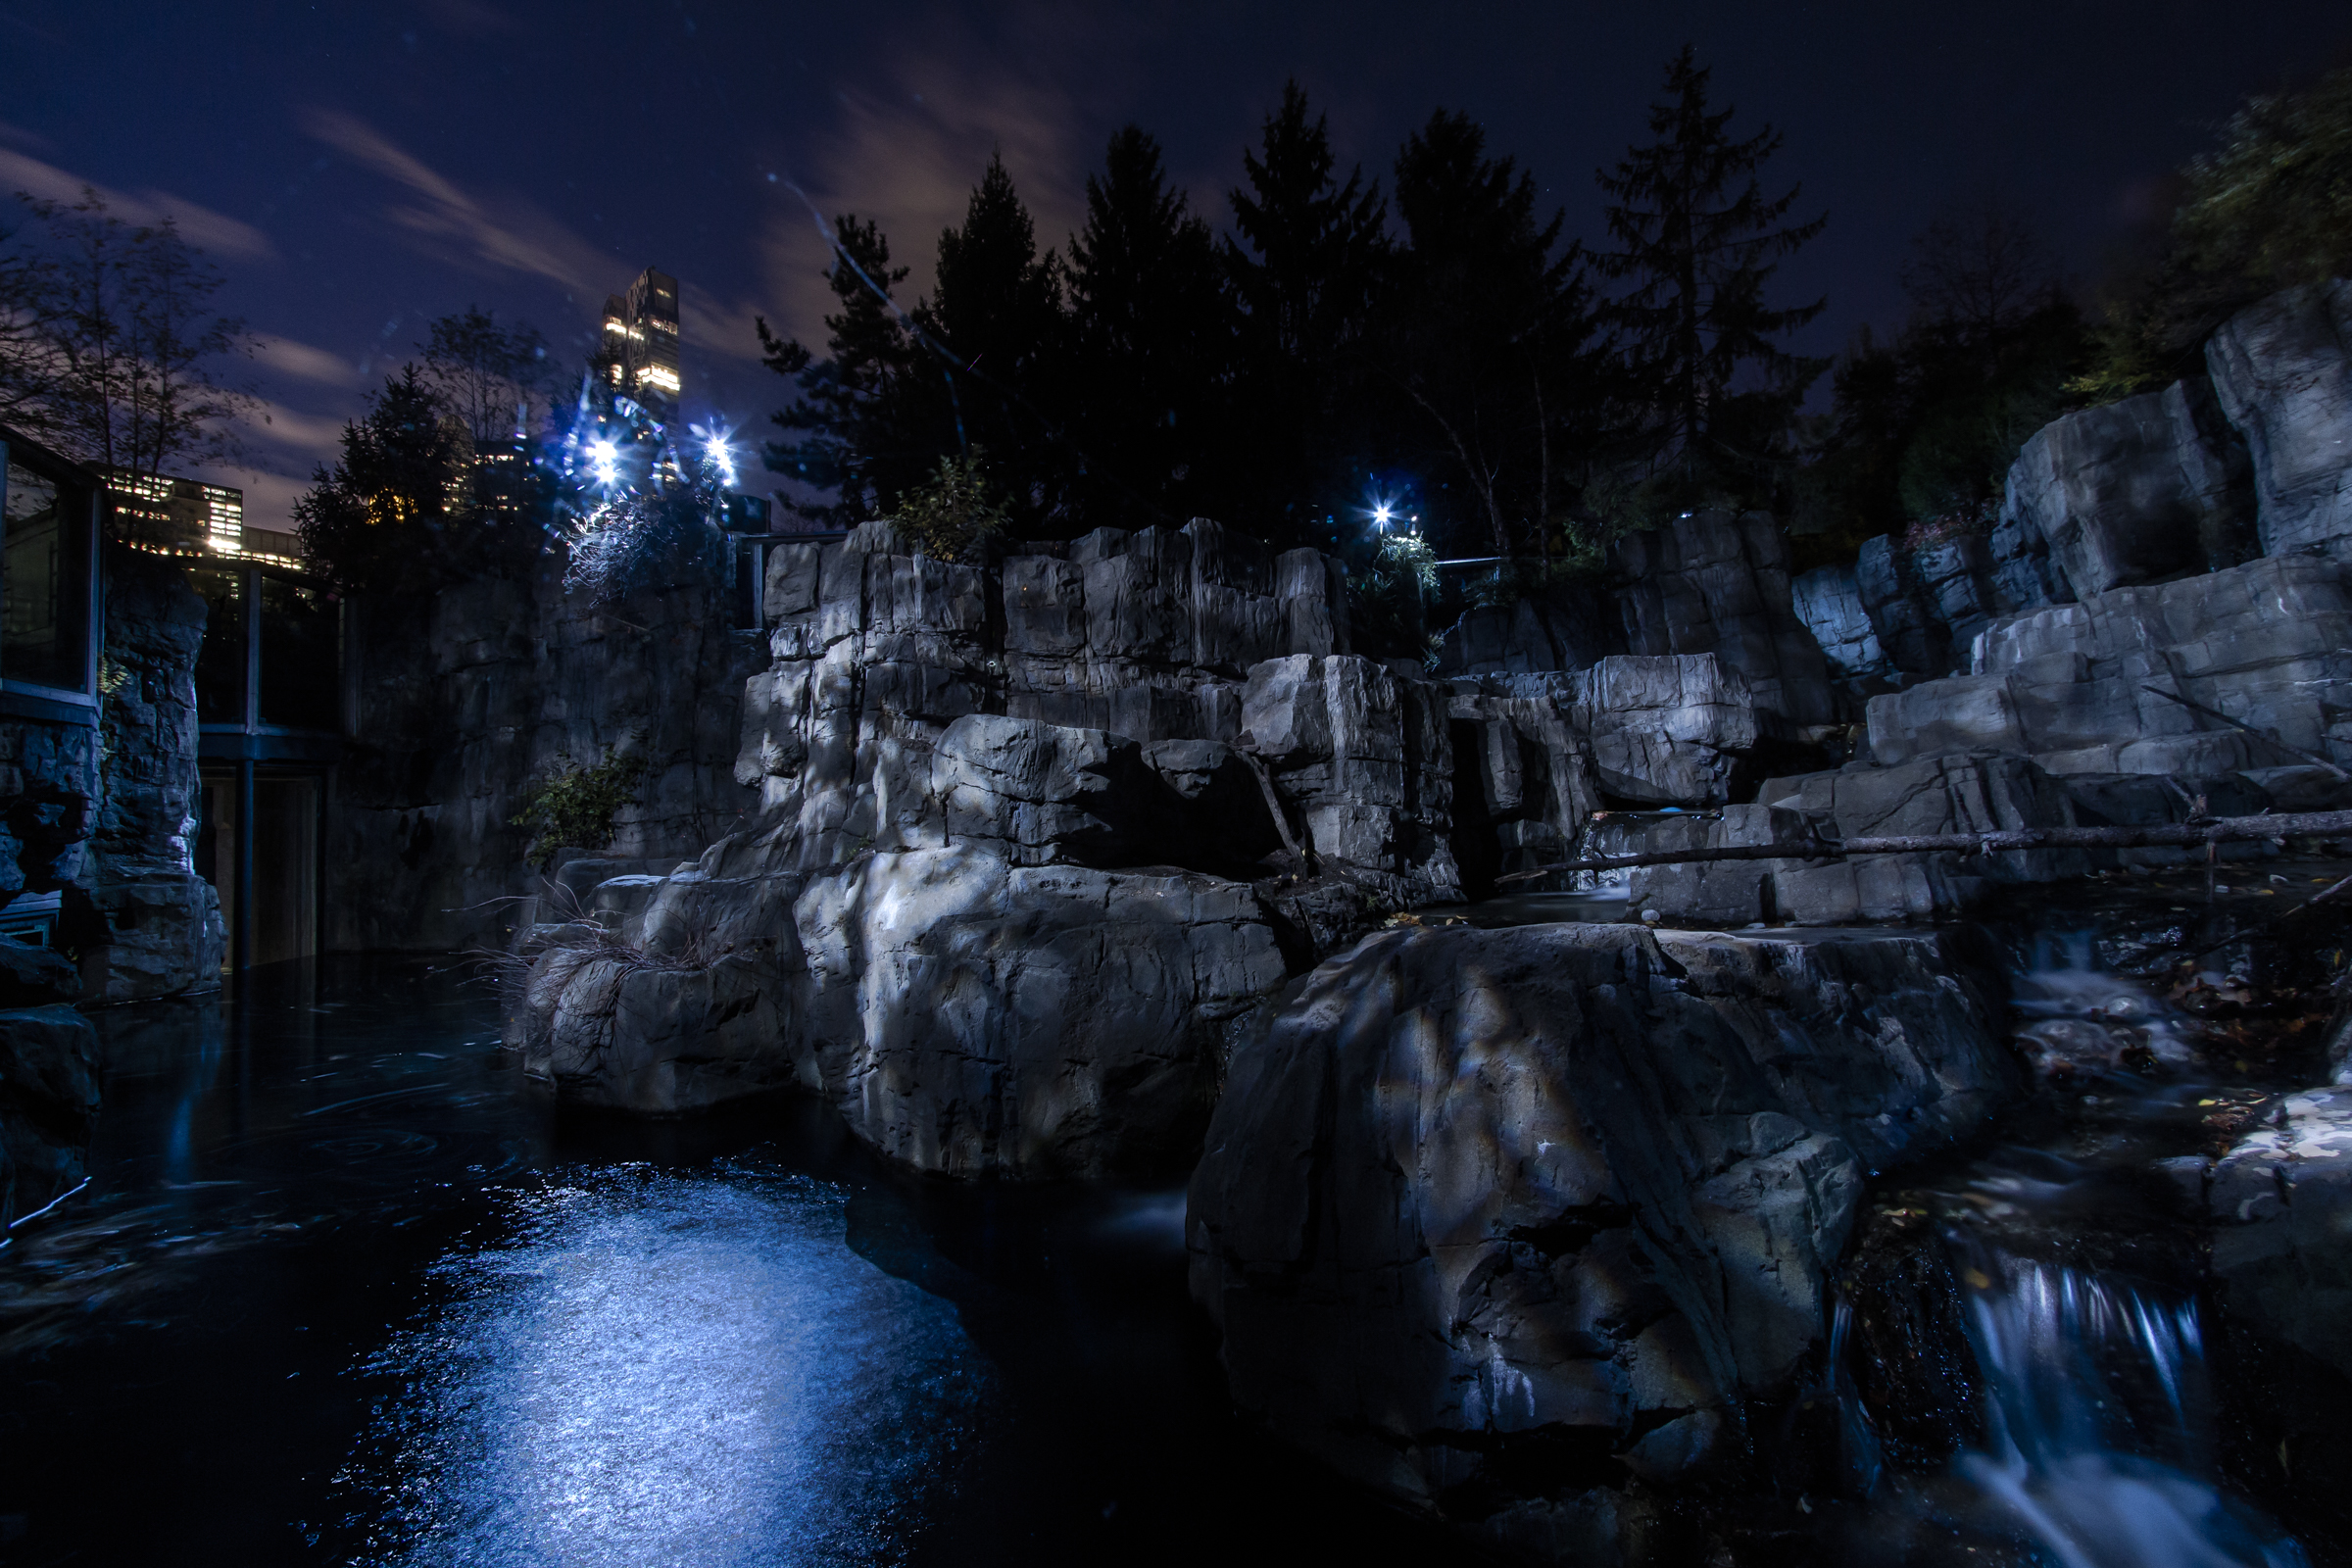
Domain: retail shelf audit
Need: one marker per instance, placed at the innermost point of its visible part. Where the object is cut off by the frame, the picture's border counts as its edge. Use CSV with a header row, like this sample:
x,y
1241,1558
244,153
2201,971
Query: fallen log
x,y
1814,846
2262,735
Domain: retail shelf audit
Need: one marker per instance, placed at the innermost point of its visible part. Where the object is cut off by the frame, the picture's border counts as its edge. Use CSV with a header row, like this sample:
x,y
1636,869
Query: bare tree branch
x,y
1814,846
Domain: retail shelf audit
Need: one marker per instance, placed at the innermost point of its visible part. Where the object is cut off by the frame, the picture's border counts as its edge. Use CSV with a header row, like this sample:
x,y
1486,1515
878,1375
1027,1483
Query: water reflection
x,y
681,1370
340,1292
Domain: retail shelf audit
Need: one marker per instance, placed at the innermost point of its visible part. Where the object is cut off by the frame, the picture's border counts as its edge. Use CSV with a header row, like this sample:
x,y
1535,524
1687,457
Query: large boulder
x,y
975,1019
2107,685
1494,1220
1667,732
2282,370
1364,752
611,1023
1712,582
48,1104
2137,491
2280,1200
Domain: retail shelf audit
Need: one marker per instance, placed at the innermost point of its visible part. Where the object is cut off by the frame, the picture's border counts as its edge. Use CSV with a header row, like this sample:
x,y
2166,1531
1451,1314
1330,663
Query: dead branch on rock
x,y
1814,846
2262,735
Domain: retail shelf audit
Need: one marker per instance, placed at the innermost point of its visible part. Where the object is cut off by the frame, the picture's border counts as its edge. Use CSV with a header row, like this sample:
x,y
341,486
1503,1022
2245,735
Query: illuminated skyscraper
x,y
641,341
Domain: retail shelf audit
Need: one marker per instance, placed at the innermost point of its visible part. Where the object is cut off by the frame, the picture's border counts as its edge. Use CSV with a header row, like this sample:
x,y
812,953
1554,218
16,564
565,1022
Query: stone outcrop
x,y
48,1104
1712,582
968,1015
2282,372
1474,1198
2264,643
1829,601
1366,754
2139,491
468,701
1162,637
1926,605
1671,731
2281,1203
1956,793
102,816
1524,783
976,1018
163,927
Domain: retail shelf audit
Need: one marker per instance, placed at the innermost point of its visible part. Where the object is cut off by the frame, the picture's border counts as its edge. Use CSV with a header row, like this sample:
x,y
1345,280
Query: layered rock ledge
x,y
1479,1207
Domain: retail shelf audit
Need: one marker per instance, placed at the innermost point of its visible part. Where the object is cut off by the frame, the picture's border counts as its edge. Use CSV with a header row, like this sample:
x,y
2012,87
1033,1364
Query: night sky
x,y
358,170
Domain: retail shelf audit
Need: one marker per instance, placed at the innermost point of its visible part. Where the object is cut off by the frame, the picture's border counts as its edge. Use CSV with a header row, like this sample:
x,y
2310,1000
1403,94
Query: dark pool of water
x,y
341,1291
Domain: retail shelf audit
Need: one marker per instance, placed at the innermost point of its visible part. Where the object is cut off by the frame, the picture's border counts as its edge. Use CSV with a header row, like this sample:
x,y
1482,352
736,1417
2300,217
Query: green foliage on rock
x,y
2273,203
953,516
2269,207
573,808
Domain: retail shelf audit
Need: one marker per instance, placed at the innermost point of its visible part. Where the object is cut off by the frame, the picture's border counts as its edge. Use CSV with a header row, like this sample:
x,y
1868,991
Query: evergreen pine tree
x,y
1698,241
390,516
1151,333
849,430
1487,332
1305,275
997,331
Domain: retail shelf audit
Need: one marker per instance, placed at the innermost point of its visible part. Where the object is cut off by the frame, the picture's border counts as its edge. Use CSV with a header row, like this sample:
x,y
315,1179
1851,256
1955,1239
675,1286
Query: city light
x,y
605,458
717,451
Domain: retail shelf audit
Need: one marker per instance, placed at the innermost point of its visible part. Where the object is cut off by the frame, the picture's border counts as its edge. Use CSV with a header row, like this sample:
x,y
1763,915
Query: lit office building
x,y
641,340
174,517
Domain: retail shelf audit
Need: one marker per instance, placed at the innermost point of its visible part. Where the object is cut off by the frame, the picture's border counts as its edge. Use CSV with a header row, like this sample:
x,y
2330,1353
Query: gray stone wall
x,y
163,929
468,701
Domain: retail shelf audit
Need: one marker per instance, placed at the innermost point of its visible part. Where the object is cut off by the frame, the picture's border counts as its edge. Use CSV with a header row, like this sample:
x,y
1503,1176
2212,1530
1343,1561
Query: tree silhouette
x,y
1150,340
846,431
1698,241
1306,273
1485,321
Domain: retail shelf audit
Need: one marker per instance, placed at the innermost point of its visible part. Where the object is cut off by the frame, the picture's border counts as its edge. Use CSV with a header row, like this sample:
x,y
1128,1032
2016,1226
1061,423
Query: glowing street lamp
x,y
605,458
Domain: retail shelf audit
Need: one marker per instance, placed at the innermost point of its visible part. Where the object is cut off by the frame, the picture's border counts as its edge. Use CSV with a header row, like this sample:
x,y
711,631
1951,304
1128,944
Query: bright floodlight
x,y
606,458
717,447
1381,515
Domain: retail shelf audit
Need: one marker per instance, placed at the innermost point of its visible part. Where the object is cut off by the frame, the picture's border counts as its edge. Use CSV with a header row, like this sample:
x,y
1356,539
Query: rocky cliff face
x,y
918,747
2282,370
104,815
163,928
469,700
1481,1211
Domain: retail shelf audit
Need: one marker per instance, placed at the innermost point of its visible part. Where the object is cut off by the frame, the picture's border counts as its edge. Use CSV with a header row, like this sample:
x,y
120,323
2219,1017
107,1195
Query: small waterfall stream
x,y
2099,1412
2084,1435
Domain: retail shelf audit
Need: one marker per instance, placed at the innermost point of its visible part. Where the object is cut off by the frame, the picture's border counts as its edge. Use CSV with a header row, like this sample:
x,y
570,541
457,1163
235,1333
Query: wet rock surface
x,y
48,1105
1566,1196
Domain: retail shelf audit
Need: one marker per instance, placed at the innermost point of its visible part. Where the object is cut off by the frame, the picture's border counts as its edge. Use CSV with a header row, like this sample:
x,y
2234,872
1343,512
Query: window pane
x,y
48,583
302,683
220,661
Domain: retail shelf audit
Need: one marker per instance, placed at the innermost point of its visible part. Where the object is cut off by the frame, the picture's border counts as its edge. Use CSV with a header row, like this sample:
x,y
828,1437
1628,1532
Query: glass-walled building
x,y
50,619
269,705
641,340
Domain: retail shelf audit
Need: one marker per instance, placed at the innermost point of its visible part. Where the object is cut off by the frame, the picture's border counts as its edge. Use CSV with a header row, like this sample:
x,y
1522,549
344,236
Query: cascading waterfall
x,y
2098,1402
2095,1448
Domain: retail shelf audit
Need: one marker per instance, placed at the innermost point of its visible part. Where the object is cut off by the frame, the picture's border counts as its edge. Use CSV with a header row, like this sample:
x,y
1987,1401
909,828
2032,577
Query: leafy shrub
x,y
954,516
575,806
2270,208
